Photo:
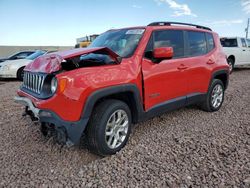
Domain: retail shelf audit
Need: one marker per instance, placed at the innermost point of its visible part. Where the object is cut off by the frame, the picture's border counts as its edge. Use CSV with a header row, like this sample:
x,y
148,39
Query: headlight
x,y
6,67
54,84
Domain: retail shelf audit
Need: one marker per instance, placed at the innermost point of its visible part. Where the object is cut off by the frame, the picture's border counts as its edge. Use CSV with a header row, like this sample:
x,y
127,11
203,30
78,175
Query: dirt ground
x,y
184,148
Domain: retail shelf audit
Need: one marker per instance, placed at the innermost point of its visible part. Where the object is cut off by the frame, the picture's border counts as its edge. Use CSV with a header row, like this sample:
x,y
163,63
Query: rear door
x,y
165,80
200,61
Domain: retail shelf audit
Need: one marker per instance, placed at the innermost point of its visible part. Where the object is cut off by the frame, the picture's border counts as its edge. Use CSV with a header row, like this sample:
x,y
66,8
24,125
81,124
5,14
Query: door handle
x,y
182,67
243,50
210,62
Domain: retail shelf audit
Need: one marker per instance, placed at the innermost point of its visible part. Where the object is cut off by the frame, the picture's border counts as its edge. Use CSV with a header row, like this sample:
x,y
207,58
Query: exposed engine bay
x,y
87,60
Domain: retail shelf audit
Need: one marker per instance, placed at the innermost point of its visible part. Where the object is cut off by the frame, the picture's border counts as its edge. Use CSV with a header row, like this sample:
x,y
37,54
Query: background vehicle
x,y
19,55
14,68
125,76
85,41
237,50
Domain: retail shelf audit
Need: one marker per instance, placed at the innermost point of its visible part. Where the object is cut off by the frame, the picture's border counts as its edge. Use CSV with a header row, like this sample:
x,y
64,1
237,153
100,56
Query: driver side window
x,y
166,38
170,38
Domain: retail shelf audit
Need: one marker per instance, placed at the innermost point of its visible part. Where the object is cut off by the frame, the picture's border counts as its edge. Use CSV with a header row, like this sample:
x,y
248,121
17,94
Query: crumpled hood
x,y
50,63
46,64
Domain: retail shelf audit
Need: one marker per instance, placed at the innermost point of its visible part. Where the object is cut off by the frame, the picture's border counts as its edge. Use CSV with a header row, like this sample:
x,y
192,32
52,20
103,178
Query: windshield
x,y
20,55
123,42
229,42
35,55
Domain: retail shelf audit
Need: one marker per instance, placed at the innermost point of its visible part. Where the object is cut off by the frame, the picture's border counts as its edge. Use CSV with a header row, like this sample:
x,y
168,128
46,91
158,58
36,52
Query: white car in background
x,y
237,50
18,55
14,68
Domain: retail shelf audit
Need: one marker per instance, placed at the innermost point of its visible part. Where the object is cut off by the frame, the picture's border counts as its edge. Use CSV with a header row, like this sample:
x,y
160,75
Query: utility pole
x,y
248,21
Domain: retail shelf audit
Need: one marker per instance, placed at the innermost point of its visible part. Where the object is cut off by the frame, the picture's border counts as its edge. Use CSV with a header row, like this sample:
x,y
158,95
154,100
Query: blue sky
x,y
60,22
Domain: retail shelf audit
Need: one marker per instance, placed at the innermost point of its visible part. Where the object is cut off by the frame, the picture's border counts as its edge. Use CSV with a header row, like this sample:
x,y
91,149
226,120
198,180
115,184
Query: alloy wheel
x,y
217,96
116,129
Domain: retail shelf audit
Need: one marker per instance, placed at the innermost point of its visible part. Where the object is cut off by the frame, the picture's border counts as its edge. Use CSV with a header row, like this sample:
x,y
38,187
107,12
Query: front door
x,y
165,81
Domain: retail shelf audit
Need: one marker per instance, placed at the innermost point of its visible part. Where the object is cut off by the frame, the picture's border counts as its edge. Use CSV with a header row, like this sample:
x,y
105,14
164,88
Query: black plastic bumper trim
x,y
74,129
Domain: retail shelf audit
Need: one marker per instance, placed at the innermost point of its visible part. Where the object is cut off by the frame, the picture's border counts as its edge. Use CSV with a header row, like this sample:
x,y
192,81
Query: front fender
x,y
108,91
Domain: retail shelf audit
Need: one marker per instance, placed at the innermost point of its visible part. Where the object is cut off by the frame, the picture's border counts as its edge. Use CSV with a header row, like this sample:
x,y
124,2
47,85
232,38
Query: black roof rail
x,y
178,23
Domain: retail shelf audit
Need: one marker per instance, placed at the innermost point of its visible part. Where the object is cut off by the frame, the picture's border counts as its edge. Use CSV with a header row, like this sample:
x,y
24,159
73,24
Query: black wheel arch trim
x,y
105,92
218,73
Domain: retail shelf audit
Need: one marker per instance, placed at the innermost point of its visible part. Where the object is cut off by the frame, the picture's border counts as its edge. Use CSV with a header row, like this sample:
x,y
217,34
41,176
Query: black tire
x,y
207,103
20,74
230,62
96,130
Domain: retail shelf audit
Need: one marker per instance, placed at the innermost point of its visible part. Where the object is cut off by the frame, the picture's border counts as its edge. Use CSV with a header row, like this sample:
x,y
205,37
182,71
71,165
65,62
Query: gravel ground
x,y
185,148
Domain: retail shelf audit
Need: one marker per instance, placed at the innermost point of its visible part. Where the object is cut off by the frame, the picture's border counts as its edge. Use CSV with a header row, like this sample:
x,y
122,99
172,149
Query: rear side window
x,y
210,42
170,38
244,44
229,42
197,43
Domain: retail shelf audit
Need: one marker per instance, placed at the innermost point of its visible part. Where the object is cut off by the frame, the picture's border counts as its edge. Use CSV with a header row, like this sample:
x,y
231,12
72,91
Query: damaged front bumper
x,y
70,132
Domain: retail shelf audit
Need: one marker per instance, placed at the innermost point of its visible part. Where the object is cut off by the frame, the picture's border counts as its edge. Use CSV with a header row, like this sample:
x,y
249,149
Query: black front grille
x,y
33,82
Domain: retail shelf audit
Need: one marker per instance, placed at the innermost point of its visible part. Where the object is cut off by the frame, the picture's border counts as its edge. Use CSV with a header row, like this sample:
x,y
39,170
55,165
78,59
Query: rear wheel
x,y
20,74
214,97
109,127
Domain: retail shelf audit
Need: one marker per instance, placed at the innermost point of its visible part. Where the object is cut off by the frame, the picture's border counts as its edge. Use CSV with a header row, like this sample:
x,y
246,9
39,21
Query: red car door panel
x,y
198,74
163,81
200,61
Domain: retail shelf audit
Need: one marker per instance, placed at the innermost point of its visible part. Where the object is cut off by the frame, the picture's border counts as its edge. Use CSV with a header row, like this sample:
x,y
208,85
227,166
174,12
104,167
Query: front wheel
x,y
20,74
214,97
109,127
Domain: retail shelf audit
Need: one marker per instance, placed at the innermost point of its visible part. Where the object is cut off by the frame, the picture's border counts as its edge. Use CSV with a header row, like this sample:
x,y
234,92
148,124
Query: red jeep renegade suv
x,y
95,94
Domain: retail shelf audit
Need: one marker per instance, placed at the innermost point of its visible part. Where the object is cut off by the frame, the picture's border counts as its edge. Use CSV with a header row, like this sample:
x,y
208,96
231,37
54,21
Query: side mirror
x,y
163,53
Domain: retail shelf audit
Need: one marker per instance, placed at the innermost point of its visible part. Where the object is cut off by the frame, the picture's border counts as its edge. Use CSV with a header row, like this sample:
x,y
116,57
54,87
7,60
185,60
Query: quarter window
x,y
197,43
170,38
210,42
